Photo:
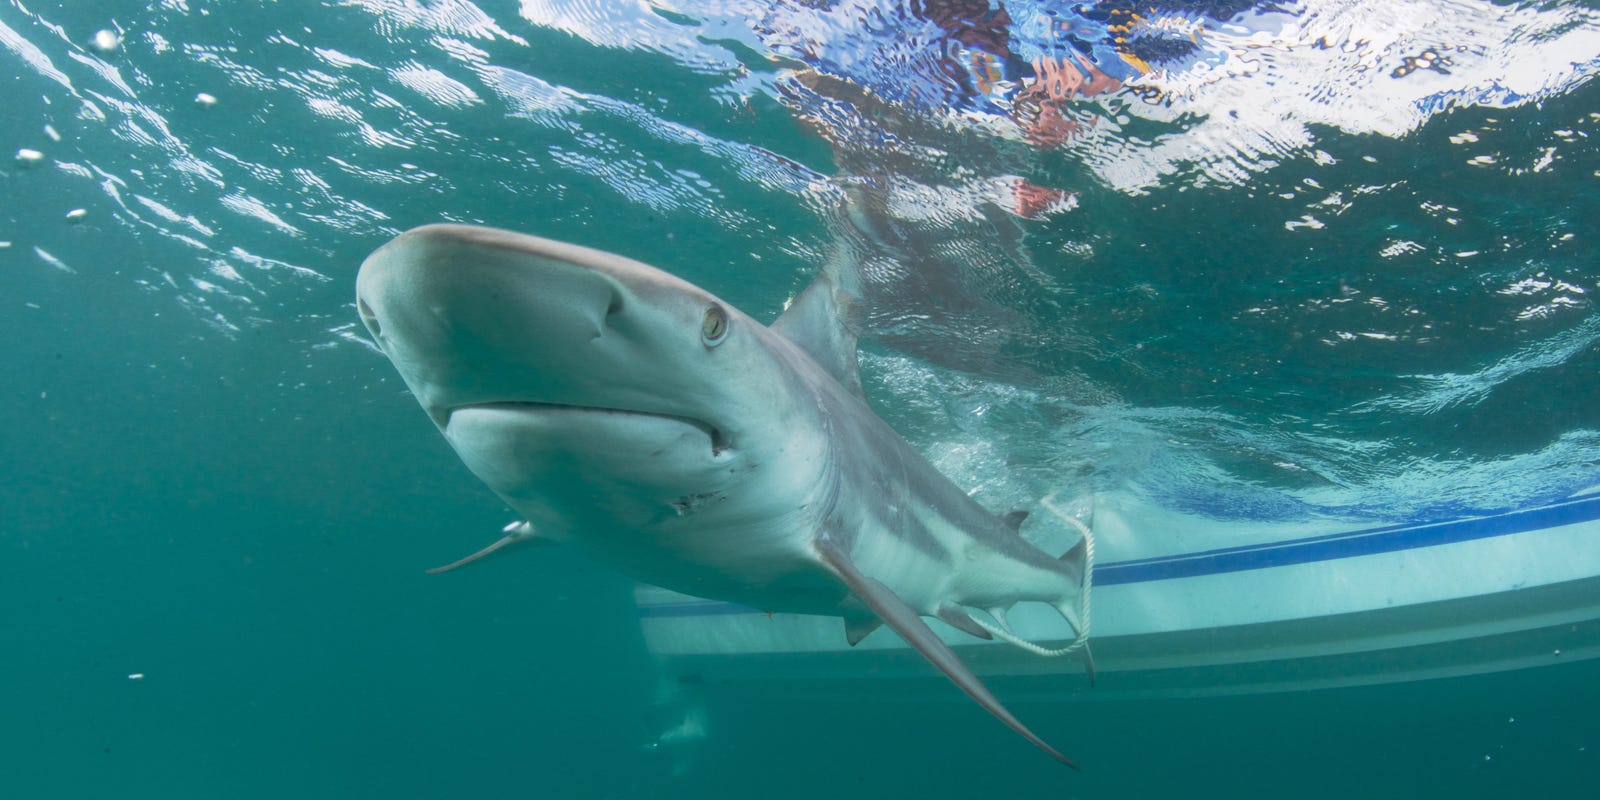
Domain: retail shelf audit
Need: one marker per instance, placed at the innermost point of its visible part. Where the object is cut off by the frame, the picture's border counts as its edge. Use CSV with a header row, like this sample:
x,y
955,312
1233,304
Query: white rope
x,y
1083,594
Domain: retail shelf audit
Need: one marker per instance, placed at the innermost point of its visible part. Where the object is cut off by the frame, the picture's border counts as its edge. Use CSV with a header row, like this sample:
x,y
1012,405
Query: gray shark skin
x,y
638,417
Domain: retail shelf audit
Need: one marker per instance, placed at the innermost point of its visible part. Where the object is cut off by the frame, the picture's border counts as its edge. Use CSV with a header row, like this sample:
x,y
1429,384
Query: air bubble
x,y
106,40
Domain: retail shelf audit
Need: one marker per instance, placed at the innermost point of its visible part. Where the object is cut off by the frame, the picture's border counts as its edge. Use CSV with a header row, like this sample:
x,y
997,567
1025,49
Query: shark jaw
x,y
623,418
568,460
643,419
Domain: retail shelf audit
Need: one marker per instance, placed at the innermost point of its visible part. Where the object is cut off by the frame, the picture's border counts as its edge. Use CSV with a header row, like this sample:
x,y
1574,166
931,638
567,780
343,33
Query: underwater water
x,y
1262,262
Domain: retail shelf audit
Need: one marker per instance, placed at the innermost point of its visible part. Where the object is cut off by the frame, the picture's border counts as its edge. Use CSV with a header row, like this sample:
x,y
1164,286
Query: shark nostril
x,y
613,308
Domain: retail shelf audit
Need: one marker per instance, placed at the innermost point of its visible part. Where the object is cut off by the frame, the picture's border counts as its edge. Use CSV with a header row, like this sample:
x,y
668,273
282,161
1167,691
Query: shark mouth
x,y
714,435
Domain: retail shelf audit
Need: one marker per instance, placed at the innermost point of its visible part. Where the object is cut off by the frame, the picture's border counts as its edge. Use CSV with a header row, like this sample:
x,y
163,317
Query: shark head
x,y
586,389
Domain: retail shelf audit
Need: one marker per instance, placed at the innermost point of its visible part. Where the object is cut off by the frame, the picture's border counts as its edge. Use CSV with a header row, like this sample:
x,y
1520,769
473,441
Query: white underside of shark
x,y
638,417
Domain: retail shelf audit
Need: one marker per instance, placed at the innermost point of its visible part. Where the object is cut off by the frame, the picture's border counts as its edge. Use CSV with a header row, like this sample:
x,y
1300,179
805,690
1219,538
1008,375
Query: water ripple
x,y
1247,258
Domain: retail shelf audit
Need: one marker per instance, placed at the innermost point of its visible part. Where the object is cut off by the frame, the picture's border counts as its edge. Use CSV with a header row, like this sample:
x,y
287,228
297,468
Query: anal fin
x,y
962,621
908,623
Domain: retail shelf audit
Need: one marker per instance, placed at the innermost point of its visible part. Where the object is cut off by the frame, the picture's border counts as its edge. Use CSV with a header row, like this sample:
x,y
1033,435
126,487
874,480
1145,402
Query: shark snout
x,y
479,317
468,319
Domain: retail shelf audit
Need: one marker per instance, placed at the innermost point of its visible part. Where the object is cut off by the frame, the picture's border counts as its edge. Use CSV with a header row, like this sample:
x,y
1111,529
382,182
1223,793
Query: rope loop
x,y
1083,594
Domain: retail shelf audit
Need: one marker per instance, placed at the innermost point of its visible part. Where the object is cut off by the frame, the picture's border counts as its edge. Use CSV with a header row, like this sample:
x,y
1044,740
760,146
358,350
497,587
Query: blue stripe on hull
x,y
1331,547
1346,545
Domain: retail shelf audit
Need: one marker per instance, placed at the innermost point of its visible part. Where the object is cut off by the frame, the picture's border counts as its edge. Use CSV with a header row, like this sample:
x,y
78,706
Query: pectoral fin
x,y
908,623
515,532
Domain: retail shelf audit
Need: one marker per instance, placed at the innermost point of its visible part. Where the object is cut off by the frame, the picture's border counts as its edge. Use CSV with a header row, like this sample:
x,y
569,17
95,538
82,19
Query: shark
x,y
634,415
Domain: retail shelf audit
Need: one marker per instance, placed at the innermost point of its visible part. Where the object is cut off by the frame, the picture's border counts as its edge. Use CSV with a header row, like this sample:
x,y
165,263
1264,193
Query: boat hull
x,y
1278,609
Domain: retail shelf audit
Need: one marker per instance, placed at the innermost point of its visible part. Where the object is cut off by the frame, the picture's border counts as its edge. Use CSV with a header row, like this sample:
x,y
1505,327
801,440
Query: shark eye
x,y
714,328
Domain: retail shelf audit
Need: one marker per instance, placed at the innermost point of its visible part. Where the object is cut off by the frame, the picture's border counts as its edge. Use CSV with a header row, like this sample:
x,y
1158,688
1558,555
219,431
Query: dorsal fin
x,y
822,320
1014,520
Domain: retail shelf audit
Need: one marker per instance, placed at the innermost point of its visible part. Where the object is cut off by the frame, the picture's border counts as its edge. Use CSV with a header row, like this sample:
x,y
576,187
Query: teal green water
x,y
210,481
